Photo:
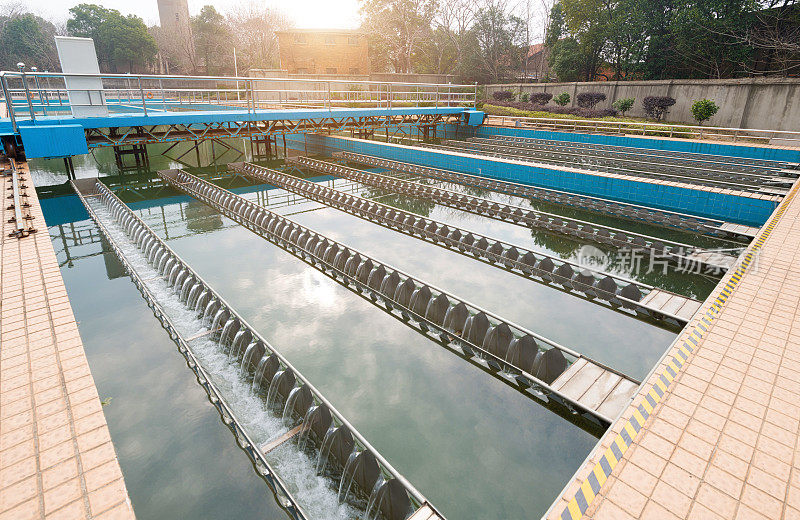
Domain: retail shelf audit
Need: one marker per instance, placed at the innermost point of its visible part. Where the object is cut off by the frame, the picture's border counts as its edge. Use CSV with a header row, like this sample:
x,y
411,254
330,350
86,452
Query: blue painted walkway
x,y
64,135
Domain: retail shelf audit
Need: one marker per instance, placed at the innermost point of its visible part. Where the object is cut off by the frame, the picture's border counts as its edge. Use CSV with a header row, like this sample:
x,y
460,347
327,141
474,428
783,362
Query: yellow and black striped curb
x,y
586,494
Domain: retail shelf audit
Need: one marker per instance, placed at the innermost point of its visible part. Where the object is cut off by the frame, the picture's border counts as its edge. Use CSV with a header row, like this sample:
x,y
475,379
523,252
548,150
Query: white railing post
x,y
141,93
28,94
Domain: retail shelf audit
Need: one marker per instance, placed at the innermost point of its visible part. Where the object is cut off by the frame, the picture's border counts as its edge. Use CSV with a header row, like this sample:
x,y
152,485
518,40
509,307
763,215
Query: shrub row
x,y
575,111
656,107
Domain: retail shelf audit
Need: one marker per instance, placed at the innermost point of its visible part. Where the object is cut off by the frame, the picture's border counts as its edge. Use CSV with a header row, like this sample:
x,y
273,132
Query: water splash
x,y
185,288
226,332
247,358
326,442
273,387
287,410
194,294
236,344
218,319
258,377
207,314
372,497
347,467
304,436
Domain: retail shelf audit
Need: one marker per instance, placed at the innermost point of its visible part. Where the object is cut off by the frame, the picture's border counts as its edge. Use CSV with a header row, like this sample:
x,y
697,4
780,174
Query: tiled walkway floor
x,y
56,456
722,442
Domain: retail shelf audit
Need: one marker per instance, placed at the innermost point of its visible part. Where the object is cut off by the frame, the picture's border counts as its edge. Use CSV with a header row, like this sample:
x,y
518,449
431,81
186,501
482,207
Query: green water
x,y
474,446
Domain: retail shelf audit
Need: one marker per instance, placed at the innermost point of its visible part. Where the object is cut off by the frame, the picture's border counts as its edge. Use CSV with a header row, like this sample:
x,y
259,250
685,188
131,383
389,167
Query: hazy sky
x,y
305,13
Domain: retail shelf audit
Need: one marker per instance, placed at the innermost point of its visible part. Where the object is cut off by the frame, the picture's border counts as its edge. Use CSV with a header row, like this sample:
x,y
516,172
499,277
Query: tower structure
x,y
174,14
176,44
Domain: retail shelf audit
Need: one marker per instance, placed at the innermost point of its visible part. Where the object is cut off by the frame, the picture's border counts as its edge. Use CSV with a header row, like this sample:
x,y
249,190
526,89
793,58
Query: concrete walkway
x,y
56,455
713,432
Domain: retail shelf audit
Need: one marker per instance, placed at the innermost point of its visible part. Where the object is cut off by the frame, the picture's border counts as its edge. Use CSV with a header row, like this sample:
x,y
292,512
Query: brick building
x,y
320,51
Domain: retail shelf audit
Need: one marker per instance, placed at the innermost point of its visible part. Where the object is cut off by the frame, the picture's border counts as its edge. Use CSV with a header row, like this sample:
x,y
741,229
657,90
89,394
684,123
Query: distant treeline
x,y
487,41
126,44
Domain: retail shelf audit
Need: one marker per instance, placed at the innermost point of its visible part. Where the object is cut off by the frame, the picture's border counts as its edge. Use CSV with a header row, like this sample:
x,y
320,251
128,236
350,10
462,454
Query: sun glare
x,y
322,14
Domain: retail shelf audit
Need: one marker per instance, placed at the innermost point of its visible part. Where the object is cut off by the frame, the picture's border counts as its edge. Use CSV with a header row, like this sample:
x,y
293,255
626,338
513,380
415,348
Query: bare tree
x,y
253,27
545,7
776,35
398,27
456,17
176,46
773,32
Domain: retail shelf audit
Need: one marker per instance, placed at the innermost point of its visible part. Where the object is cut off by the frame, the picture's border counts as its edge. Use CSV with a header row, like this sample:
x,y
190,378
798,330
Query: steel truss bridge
x,y
61,115
180,132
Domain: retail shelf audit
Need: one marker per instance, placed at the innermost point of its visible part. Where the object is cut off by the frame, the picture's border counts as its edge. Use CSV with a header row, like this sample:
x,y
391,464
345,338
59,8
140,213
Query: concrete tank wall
x,y
761,103
698,200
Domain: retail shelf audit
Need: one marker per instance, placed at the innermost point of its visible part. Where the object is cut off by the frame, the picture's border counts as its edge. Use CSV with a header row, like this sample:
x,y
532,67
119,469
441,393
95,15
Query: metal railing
x,y
28,95
594,126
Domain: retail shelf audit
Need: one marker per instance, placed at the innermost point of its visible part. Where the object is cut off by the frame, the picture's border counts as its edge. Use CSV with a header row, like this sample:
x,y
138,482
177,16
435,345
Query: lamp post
x,y
42,99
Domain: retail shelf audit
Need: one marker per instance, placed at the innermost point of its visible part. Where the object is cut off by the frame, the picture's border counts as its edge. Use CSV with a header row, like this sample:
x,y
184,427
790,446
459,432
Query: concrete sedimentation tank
x,y
363,477
546,367
603,206
603,288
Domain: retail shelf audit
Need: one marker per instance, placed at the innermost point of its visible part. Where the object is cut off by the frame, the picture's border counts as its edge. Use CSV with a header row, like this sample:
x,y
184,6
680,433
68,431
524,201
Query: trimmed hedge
x,y
562,99
503,95
657,107
541,98
575,111
589,99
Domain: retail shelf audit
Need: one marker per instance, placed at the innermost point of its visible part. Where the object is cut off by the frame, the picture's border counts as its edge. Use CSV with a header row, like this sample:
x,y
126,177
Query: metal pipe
x,y
42,100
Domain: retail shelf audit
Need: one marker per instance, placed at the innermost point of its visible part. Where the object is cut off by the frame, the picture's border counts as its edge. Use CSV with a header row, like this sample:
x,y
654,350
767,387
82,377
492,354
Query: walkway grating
x,y
56,455
713,433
